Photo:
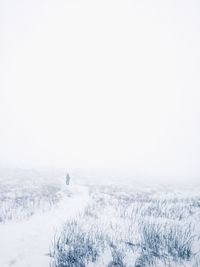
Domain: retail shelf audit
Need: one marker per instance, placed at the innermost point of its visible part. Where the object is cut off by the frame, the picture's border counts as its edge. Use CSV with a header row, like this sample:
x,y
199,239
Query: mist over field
x,y
101,85
99,133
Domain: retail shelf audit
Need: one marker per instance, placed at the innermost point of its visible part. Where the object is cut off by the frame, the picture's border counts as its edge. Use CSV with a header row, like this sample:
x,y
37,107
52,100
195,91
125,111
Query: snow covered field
x,y
26,235
46,223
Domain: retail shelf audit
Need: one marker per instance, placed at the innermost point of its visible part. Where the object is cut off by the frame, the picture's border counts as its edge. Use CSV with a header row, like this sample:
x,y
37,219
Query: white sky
x,y
101,84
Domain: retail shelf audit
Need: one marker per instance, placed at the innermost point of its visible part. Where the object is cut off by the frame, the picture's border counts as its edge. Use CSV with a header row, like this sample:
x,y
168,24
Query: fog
x,y
105,85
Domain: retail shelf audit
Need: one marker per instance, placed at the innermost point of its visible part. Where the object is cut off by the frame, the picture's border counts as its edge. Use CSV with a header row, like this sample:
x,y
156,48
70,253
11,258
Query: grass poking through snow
x,y
133,229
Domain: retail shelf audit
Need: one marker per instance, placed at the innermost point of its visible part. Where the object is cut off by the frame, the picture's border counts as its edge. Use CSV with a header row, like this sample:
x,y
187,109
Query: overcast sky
x,y
101,84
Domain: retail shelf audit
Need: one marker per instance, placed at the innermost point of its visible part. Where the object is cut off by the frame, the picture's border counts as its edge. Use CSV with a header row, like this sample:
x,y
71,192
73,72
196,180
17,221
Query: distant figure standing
x,y
67,179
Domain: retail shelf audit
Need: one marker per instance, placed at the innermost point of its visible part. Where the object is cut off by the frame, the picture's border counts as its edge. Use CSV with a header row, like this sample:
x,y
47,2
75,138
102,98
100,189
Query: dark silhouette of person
x,y
67,179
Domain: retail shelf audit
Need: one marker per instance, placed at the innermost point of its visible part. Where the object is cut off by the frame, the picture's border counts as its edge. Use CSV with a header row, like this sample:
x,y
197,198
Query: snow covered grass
x,y
21,196
25,242
95,226
18,203
131,227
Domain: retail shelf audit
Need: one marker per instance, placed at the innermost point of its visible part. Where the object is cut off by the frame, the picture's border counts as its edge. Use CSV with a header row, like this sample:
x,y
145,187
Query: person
x,y
67,179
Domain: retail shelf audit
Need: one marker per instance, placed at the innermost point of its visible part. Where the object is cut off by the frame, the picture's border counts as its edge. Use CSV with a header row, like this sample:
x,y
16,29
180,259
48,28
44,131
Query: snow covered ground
x,y
26,242
133,227
45,223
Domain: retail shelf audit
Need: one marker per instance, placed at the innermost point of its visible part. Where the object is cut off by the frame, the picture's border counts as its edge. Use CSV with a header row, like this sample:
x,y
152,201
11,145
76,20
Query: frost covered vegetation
x,y
18,203
133,228
20,200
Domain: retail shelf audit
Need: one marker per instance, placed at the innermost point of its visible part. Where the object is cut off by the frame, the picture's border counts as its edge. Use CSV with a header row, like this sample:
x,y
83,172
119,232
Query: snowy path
x,y
26,244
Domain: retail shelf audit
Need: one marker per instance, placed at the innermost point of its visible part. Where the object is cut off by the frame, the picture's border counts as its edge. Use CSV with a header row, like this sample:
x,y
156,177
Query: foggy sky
x,y
101,84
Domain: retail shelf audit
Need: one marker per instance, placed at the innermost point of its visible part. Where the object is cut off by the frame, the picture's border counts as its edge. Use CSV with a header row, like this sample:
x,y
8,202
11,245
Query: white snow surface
x,y
27,243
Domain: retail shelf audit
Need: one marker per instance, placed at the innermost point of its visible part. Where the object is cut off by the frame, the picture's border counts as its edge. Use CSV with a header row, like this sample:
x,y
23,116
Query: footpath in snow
x,y
27,243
